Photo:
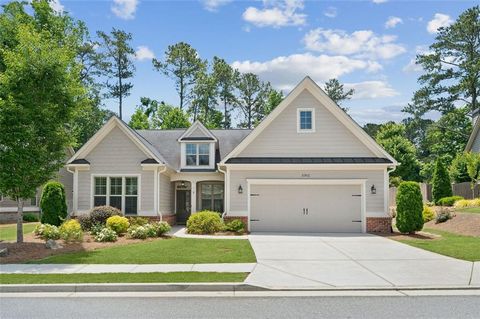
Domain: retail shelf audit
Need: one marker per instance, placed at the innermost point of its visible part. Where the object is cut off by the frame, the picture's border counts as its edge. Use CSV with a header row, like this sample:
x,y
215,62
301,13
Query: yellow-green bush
x,y
118,224
71,231
464,203
204,222
428,214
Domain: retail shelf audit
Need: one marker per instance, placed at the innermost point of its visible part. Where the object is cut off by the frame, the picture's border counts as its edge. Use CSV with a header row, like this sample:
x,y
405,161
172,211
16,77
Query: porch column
x,y
193,199
75,191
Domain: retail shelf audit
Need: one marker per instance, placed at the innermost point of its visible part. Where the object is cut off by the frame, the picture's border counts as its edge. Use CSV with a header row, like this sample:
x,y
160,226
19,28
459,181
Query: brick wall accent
x,y
379,224
171,219
244,219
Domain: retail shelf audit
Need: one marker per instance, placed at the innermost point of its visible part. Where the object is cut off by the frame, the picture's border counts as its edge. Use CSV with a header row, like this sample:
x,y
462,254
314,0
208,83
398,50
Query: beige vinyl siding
x,y
166,195
330,139
476,144
66,178
116,154
197,133
374,203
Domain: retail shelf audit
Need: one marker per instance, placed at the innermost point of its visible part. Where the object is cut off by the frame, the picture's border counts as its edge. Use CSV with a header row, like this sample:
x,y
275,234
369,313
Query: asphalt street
x,y
241,307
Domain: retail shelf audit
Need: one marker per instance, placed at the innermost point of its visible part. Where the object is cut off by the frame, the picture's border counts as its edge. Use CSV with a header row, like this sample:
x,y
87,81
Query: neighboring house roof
x,y
308,160
473,136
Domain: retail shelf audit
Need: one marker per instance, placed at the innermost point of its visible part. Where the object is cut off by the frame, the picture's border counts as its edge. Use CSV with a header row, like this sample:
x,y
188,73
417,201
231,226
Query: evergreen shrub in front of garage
x,y
409,208
204,222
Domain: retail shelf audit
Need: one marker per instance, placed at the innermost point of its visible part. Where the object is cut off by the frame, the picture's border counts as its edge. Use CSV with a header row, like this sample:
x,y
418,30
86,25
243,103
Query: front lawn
x,y
9,232
473,210
453,245
154,277
166,251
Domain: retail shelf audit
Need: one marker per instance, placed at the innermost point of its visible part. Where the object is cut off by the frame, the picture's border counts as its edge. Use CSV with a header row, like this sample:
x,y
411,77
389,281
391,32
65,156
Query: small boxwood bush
x,y
53,204
409,208
204,222
118,223
30,218
443,217
106,235
236,226
464,203
428,214
46,231
71,231
85,222
449,201
100,214
139,232
138,221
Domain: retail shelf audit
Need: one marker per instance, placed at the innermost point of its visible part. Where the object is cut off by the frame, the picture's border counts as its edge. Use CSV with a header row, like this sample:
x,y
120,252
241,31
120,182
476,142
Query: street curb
x,y
194,287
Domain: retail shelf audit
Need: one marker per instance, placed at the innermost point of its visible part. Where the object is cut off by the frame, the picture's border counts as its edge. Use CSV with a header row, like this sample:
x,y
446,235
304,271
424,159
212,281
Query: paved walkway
x,y
349,260
123,268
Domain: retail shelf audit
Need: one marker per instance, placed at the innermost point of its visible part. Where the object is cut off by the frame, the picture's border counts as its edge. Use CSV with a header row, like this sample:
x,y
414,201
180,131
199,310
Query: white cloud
x,y
379,1
285,72
276,14
213,5
144,53
439,20
371,90
377,114
330,12
412,66
125,9
362,43
57,6
392,22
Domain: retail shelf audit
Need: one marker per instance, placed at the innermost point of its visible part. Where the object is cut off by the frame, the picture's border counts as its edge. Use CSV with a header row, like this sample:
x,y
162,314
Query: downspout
x,y
73,190
158,212
224,172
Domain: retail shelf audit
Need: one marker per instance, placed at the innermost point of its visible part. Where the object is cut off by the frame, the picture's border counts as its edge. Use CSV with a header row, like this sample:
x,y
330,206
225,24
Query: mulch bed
x,y
419,235
461,224
34,248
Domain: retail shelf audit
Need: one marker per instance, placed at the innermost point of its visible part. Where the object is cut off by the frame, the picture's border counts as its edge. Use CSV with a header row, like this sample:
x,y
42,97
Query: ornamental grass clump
x,y
71,231
466,203
409,208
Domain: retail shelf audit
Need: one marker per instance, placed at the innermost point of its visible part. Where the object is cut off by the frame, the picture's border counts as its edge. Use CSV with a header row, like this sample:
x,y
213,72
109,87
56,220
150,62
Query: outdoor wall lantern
x,y
240,189
373,190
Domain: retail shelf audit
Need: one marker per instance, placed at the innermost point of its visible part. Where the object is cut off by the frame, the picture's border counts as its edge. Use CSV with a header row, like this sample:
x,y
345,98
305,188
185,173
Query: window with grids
x,y
211,197
306,120
117,191
197,154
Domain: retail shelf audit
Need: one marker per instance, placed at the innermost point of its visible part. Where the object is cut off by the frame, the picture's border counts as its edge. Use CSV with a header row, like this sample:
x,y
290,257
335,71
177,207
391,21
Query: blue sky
x,y
369,45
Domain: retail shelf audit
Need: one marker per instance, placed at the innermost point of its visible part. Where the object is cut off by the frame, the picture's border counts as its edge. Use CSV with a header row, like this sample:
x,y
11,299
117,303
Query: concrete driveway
x,y
296,261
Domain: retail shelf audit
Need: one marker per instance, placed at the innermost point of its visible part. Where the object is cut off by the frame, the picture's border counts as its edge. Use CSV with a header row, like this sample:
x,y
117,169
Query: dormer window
x,y
197,154
305,120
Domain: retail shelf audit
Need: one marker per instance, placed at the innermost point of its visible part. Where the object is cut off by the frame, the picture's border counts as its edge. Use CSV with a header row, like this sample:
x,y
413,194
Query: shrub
x,y
449,201
138,232
441,185
428,214
138,221
71,231
395,181
96,229
464,203
409,208
85,222
30,218
443,217
151,231
235,225
106,235
458,169
204,222
118,223
161,228
100,214
53,204
46,231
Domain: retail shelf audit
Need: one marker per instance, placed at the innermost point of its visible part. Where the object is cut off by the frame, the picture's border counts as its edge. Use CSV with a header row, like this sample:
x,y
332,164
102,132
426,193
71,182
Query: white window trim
x,y
211,155
303,109
139,193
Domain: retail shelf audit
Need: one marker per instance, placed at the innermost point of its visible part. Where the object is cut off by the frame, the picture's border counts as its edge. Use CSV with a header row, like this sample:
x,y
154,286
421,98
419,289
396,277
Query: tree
x,y
252,94
226,78
39,89
392,138
337,92
175,118
87,121
273,100
441,185
139,120
372,129
409,208
181,64
118,65
204,97
473,170
458,169
452,71
53,204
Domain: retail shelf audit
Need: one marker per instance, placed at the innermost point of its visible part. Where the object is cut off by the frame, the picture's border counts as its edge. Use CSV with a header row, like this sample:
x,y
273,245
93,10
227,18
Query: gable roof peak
x,y
198,125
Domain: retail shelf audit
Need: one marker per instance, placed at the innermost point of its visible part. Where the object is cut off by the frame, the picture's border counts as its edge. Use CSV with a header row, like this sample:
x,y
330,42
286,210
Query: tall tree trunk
x,y
181,93
250,117
226,123
120,91
19,220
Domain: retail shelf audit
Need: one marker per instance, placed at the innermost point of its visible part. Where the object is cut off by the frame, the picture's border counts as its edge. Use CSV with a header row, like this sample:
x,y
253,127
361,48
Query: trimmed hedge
x,y
449,201
441,184
53,204
204,222
409,208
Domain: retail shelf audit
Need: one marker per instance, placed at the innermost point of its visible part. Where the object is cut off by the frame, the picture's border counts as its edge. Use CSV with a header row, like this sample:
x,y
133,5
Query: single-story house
x,y
307,167
473,144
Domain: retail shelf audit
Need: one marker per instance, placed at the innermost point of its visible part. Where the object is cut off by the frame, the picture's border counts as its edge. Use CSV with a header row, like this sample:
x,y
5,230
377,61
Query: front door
x,y
183,206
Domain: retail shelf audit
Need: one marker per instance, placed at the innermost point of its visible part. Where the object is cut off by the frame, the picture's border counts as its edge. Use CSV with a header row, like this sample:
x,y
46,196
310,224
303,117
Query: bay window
x,y
117,191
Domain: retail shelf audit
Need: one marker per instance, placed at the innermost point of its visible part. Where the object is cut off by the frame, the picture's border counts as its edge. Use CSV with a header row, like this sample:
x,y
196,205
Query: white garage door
x,y
305,208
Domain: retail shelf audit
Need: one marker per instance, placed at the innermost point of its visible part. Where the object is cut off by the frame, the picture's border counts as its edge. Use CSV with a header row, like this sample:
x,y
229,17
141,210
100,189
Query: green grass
x,y
168,251
473,210
9,232
122,278
453,245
